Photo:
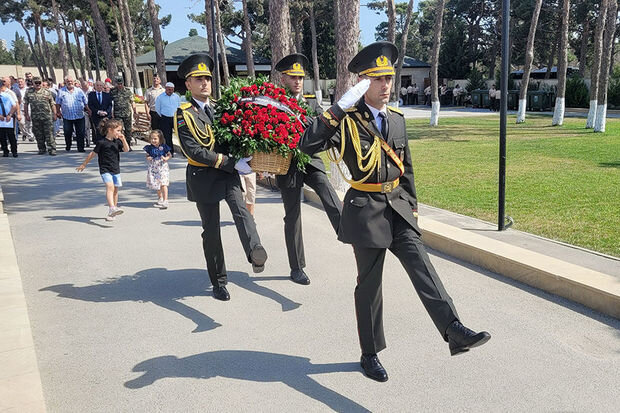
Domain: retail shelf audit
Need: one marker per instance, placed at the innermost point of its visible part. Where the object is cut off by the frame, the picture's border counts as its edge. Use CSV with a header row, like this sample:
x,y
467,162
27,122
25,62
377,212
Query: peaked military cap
x,y
293,64
197,64
36,79
376,59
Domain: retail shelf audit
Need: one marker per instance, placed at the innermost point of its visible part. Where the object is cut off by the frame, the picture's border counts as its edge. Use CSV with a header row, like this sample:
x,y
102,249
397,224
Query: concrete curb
x,y
20,381
591,288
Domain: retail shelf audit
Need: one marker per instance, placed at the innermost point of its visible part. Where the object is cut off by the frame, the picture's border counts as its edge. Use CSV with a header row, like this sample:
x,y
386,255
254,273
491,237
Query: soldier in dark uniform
x,y
291,184
380,209
212,175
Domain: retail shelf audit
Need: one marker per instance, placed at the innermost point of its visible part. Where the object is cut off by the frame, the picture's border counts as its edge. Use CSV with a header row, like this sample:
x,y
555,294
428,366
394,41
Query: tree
x,y
603,77
346,21
391,13
192,32
403,47
529,57
315,57
596,64
222,46
279,34
247,40
160,60
434,62
61,42
123,46
558,113
104,38
132,46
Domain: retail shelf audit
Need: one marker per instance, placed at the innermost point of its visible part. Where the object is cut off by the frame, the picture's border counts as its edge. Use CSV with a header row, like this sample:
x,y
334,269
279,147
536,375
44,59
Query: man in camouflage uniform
x,y
40,109
123,106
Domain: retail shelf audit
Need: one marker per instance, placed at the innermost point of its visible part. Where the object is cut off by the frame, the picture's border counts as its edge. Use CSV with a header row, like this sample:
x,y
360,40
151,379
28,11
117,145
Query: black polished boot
x,y
221,293
300,277
258,256
372,367
461,338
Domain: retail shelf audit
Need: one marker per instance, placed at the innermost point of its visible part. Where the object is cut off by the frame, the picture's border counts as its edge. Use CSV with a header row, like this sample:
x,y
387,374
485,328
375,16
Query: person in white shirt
x,y
25,127
410,94
8,107
414,94
166,106
150,97
427,95
492,98
403,95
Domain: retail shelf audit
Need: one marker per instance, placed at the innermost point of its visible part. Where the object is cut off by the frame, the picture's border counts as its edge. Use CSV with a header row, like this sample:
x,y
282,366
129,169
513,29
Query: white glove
x,y
243,167
354,94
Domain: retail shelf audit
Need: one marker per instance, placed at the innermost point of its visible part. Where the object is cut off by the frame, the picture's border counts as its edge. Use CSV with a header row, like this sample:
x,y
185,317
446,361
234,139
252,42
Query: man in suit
x,y
100,105
381,209
292,69
212,175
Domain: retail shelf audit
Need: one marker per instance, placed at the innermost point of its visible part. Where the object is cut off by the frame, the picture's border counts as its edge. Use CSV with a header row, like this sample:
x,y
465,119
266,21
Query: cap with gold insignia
x,y
376,59
293,64
197,64
119,79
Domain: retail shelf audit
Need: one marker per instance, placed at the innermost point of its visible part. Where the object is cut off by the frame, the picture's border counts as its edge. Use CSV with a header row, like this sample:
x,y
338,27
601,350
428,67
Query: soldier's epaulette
x,y
310,96
395,110
185,105
351,109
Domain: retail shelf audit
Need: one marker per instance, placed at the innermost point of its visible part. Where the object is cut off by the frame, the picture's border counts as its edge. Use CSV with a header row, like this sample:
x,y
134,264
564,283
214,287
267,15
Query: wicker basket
x,y
271,162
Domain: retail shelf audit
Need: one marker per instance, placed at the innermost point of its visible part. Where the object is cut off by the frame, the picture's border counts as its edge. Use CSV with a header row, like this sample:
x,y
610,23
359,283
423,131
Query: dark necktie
x,y
384,125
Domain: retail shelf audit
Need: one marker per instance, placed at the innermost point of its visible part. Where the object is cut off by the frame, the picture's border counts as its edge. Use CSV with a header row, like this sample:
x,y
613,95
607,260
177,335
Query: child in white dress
x,y
158,172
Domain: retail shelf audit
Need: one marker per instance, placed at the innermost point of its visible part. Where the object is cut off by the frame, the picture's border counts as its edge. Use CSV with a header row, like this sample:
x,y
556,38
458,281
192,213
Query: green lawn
x,y
561,182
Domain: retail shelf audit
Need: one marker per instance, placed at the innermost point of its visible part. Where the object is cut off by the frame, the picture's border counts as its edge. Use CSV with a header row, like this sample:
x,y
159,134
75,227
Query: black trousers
x,y
212,238
69,126
291,198
154,119
415,99
166,124
408,248
7,136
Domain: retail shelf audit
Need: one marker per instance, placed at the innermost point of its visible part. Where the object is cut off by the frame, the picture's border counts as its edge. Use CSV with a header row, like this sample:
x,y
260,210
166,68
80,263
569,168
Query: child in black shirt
x,y
108,151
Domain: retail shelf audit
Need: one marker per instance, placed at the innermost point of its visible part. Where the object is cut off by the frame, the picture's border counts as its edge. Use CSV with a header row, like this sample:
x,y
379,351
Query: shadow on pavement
x,y
251,366
162,287
244,280
167,289
195,223
83,220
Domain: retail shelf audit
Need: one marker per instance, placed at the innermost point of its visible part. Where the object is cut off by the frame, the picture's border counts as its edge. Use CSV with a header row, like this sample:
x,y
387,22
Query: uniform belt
x,y
383,187
194,163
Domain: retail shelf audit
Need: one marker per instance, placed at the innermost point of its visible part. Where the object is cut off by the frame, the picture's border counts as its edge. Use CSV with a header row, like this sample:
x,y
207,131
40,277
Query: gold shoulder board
x,y
310,96
351,109
395,110
185,105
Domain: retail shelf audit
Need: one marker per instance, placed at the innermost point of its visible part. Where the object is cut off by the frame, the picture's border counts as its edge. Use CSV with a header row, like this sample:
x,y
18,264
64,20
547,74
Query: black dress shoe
x,y
300,277
372,367
5,155
461,338
258,256
15,155
221,293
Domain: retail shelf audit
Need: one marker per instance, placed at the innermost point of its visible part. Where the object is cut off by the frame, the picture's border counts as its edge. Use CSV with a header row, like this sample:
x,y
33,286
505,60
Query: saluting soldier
x,y
380,208
123,107
292,68
212,176
40,108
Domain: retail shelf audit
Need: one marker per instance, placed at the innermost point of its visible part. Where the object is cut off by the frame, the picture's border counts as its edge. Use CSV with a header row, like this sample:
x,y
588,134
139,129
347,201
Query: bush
x,y
613,92
476,81
577,94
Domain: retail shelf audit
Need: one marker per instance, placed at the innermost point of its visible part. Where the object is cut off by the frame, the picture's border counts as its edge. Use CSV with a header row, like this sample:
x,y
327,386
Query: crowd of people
x,y
410,94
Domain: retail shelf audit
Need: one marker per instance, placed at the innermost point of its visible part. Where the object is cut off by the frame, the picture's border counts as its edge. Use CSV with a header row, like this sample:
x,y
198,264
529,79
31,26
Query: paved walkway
x,y
422,111
123,319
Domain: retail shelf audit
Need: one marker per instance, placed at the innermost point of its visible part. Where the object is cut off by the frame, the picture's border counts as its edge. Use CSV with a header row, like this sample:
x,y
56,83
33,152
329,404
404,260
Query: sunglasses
x,y
37,83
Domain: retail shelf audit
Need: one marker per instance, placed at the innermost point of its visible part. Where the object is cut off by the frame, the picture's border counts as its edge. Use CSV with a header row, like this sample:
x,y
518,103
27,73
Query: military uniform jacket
x,y
210,171
122,102
366,219
293,176
41,104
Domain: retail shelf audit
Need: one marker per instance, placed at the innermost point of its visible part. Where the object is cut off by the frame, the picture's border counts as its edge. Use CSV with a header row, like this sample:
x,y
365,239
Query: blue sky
x,y
180,24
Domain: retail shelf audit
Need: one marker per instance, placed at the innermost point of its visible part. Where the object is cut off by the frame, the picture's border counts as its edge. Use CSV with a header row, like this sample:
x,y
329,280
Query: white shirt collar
x,y
375,111
201,104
